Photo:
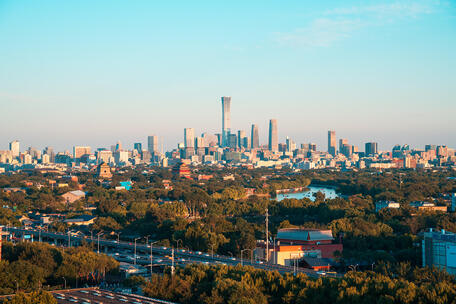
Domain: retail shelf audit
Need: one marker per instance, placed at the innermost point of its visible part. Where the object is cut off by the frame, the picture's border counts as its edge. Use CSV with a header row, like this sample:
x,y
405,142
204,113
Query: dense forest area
x,y
217,214
35,266
221,284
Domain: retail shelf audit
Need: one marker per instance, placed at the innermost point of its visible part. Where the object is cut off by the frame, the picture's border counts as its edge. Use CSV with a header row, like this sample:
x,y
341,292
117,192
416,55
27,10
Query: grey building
x,y
255,137
332,142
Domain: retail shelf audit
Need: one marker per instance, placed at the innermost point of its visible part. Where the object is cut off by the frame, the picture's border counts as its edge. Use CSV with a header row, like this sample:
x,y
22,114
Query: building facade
x,y
152,143
273,136
439,250
189,137
255,137
332,142
226,119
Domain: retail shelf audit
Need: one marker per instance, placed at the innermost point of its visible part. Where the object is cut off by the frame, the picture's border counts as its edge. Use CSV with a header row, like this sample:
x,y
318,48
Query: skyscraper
x,y
273,138
152,143
79,151
118,146
14,147
226,120
371,148
332,142
342,142
255,137
189,137
240,138
137,147
50,151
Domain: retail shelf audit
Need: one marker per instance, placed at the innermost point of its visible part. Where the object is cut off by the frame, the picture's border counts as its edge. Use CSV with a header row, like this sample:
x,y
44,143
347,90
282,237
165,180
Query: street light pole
x,y
65,281
275,254
172,260
98,235
151,259
177,243
135,249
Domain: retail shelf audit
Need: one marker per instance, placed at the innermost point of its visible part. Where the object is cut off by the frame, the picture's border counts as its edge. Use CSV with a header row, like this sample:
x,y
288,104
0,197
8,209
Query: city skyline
x,y
378,72
151,142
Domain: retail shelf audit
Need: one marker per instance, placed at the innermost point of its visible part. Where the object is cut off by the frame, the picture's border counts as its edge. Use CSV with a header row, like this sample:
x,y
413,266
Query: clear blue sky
x,y
94,72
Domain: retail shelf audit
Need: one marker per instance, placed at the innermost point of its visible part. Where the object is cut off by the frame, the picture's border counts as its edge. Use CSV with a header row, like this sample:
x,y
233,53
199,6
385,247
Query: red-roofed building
x,y
295,243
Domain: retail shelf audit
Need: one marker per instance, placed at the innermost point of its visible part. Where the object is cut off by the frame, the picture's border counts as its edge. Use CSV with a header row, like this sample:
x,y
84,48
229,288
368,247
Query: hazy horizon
x,y
91,73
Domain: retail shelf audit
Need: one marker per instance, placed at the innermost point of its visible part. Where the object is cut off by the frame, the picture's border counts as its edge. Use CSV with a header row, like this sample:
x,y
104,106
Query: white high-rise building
x,y
226,120
14,147
189,137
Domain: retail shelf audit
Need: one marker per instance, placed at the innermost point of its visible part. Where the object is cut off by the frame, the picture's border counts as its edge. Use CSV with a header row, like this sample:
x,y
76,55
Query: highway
x,y
125,252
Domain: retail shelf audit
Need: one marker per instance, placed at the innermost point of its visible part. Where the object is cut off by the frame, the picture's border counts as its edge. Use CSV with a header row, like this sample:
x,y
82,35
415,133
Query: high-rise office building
x,y
346,150
332,142
255,137
118,146
50,151
246,142
189,137
199,142
240,138
273,136
342,142
232,141
290,145
226,120
152,143
371,148
14,147
430,147
79,151
137,147
104,156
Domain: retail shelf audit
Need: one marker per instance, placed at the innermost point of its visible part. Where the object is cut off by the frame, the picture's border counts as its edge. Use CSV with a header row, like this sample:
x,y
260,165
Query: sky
x,y
95,72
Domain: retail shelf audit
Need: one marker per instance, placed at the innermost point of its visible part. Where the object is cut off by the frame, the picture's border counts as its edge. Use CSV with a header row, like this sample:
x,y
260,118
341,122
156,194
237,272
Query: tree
x,y
40,297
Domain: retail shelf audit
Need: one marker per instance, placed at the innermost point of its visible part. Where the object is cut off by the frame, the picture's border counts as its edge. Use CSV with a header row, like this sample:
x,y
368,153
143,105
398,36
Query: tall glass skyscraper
x,y
152,143
255,137
332,142
273,137
226,120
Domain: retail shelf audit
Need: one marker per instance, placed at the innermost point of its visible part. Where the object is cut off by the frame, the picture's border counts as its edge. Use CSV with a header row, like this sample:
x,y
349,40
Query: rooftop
x,y
304,234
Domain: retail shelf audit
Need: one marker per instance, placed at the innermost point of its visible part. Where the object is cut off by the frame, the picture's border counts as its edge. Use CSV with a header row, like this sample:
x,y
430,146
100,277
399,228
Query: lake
x,y
328,192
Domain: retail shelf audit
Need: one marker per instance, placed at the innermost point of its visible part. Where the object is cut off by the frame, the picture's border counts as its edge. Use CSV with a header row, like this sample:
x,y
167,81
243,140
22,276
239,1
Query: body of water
x,y
328,192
